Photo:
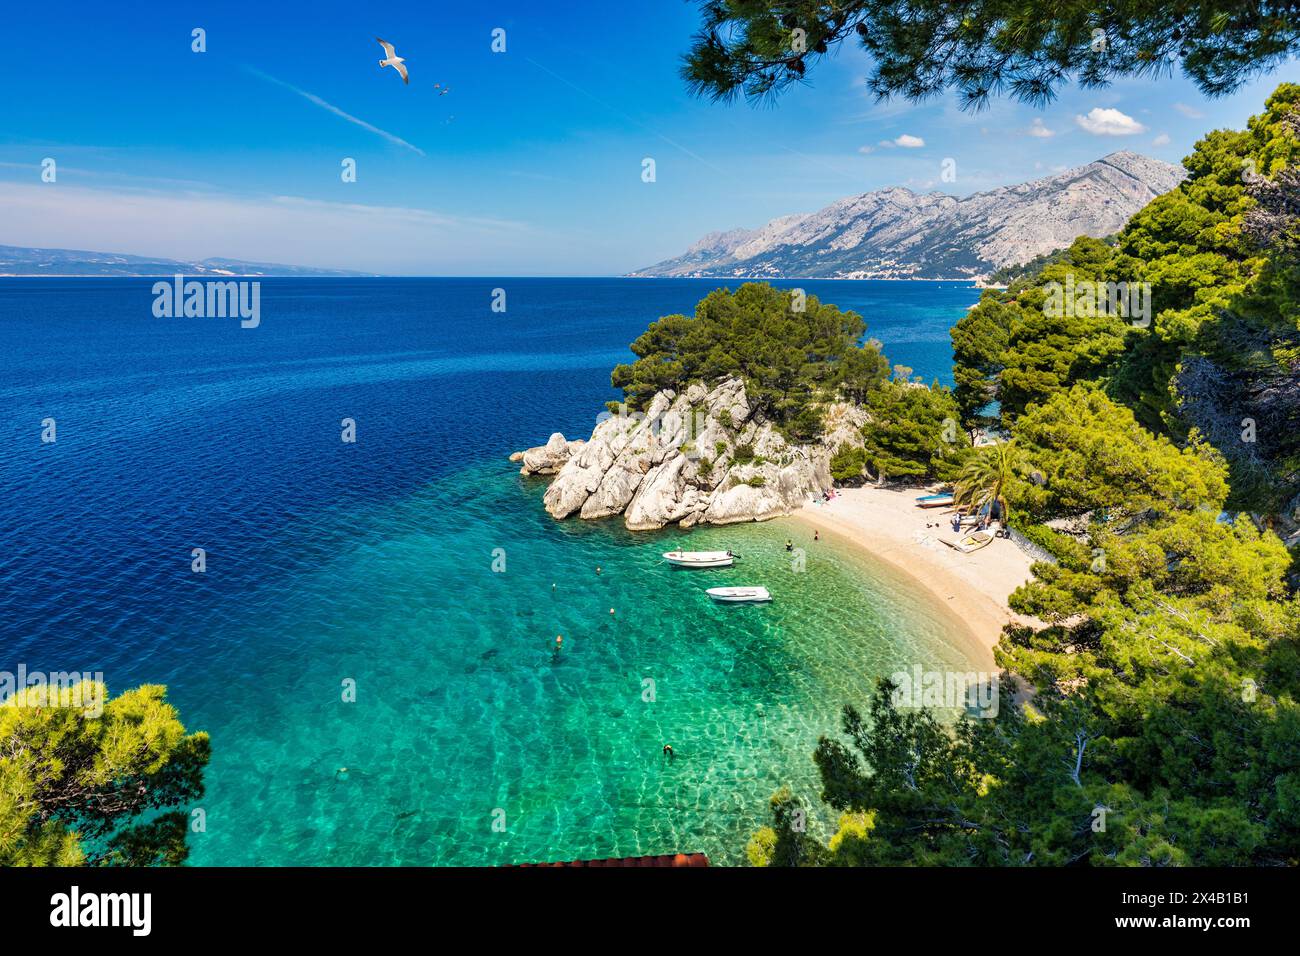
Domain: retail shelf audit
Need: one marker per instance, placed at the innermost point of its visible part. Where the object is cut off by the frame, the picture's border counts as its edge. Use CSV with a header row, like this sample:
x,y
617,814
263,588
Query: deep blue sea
x,y
370,564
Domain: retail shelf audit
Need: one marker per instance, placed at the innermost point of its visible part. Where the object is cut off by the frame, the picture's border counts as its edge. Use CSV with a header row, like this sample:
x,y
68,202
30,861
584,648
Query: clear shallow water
x,y
373,562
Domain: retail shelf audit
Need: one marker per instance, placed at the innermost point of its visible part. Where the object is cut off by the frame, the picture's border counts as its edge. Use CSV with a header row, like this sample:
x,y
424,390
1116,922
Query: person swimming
x,y
789,545
668,751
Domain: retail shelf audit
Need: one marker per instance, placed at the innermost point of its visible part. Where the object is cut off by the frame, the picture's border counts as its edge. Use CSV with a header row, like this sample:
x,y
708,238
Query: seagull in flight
x,y
442,90
393,60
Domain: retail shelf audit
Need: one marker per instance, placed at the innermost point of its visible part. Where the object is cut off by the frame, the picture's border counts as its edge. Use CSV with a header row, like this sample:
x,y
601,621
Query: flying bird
x,y
442,90
393,60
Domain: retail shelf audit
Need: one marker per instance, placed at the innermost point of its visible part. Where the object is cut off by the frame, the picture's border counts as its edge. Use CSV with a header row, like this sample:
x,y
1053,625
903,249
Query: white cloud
x,y
866,149
908,141
1037,129
1161,140
1109,122
1188,111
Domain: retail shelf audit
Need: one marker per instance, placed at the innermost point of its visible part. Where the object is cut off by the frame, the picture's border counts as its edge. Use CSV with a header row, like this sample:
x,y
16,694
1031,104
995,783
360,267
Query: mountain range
x,y
25,261
896,233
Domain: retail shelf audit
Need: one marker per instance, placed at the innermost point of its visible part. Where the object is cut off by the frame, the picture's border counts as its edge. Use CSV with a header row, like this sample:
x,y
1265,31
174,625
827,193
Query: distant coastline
x,y
30,262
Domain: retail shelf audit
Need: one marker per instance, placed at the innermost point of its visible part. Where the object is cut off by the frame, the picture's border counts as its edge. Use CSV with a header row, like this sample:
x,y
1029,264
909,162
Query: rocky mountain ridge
x,y
896,233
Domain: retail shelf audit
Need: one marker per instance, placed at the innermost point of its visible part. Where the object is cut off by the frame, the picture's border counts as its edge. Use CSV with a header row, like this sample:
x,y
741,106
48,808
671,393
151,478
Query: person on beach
x,y
816,536
956,523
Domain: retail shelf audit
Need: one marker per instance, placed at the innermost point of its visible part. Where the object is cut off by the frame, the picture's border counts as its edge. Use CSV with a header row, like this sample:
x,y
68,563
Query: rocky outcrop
x,y
699,456
547,459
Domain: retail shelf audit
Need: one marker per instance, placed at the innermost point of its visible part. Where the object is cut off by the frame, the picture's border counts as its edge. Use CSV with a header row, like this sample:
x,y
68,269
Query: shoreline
x,y
886,525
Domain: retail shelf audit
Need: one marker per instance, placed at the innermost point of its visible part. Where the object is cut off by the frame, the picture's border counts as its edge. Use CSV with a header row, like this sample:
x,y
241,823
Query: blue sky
x,y
531,165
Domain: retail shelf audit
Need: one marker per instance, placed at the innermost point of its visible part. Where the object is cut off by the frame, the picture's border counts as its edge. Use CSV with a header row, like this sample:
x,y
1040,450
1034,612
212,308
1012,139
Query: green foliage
x,y
1223,343
979,344
1190,245
1049,346
790,361
1009,275
913,432
77,788
1024,344
861,372
786,842
849,464
921,48
1090,455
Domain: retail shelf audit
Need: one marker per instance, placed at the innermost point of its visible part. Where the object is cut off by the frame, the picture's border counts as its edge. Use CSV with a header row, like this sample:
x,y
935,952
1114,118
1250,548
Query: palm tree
x,y
984,479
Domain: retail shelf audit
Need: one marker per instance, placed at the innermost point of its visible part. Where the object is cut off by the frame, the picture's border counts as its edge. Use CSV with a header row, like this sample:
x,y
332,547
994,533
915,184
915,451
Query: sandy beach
x,y
888,524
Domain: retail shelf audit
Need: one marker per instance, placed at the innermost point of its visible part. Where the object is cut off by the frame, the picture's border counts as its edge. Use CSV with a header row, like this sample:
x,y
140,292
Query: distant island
x,y
898,234
29,261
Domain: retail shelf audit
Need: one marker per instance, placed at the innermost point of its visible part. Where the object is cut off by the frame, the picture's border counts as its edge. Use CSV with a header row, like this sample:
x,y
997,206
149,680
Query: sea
x,y
366,627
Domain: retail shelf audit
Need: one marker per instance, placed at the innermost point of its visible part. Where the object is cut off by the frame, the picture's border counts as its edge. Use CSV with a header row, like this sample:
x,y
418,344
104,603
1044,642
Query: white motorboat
x,y
748,595
700,559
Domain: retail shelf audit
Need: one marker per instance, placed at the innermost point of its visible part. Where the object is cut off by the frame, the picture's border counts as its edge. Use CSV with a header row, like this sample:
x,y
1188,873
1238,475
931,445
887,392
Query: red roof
x,y
668,859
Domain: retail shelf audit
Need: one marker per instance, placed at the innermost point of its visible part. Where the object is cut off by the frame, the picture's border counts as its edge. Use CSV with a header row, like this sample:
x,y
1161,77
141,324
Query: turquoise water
x,y
372,563
463,709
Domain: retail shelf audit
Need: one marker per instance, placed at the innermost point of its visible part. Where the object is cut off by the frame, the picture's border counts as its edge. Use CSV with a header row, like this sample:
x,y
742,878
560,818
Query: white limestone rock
x,y
676,463
547,459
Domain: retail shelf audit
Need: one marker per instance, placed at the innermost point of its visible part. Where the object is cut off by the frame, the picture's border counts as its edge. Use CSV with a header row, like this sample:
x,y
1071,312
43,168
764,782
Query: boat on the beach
x,y
700,559
744,595
974,541
934,501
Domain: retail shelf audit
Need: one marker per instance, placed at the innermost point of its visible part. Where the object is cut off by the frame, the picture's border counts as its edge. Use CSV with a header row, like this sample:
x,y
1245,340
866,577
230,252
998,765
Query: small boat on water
x,y
700,559
974,541
934,501
746,595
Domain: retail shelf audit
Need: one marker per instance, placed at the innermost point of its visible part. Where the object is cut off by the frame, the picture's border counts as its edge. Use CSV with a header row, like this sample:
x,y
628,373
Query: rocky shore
x,y
699,456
